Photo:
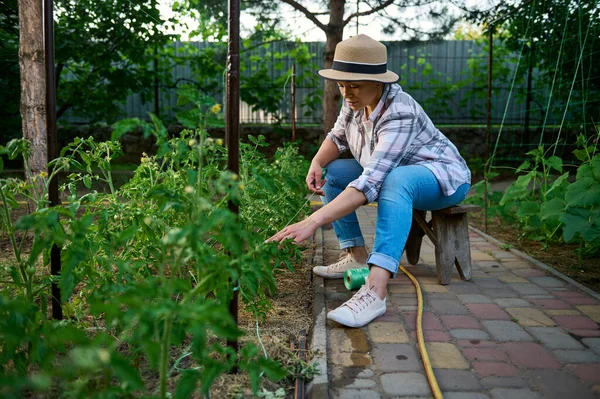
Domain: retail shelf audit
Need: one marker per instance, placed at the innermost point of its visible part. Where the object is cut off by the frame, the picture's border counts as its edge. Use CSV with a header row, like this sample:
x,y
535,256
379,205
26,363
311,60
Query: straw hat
x,y
360,58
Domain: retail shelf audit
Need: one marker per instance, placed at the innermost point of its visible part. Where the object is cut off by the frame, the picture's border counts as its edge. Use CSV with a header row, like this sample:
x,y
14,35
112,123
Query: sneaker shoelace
x,y
344,259
361,300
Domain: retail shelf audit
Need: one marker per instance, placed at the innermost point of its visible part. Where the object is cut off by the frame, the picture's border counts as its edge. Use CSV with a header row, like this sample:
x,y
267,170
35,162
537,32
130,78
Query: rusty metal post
x,y
488,125
293,102
52,143
232,123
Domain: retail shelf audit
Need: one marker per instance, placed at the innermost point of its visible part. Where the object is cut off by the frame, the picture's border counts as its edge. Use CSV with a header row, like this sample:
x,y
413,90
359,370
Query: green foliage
x,y
146,268
547,205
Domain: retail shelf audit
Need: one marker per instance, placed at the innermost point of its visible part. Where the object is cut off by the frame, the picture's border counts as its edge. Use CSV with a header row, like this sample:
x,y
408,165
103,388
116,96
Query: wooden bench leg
x,y
415,238
453,247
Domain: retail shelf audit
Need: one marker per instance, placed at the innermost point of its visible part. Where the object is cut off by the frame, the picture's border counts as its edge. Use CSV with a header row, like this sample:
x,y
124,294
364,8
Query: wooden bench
x,y
448,230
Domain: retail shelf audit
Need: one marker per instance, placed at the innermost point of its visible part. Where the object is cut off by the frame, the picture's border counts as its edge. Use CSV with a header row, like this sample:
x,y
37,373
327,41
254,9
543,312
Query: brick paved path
x,y
512,332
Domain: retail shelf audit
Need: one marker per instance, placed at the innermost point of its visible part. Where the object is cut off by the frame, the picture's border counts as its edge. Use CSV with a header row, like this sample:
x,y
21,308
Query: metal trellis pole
x,y
51,143
232,124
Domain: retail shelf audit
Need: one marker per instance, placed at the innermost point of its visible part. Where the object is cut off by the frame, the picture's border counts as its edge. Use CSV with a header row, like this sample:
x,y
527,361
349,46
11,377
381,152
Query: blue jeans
x,y
404,188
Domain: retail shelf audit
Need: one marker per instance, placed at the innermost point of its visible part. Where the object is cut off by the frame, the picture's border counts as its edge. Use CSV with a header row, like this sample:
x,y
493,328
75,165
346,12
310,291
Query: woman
x,y
400,160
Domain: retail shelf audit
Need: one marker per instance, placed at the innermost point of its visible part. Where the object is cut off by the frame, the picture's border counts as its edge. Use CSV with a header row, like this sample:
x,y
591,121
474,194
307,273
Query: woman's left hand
x,y
298,232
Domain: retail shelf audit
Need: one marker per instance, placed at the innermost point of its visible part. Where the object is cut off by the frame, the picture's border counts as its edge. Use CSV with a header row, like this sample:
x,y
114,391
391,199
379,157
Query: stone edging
x,y
538,264
318,387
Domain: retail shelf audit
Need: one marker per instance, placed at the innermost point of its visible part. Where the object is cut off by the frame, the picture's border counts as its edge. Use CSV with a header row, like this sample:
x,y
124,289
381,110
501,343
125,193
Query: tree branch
x,y
311,16
369,12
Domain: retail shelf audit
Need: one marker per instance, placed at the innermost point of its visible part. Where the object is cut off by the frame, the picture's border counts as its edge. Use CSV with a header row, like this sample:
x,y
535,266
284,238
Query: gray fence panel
x,y
449,59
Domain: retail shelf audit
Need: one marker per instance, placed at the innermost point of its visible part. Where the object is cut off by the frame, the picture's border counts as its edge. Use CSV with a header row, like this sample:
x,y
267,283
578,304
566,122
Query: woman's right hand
x,y
313,178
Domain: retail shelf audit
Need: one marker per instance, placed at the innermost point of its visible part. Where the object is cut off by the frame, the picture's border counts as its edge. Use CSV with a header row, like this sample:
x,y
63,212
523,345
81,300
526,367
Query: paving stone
x,y
341,373
530,355
504,382
569,294
357,394
585,333
512,303
381,333
576,356
504,331
499,369
528,289
581,300
505,292
587,372
547,282
541,296
465,395
445,356
477,256
405,384
468,288
593,311
490,282
563,312
475,343
350,359
554,338
448,307
592,343
515,264
392,315
360,383
511,278
396,357
576,322
457,321
430,321
456,380
487,311
401,289
507,393
473,298
530,317
431,288
530,272
551,304
485,354
460,333
559,384
431,336
348,340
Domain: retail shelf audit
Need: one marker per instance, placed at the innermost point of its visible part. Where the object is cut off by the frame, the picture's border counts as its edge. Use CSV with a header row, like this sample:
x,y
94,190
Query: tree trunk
x,y
33,85
334,33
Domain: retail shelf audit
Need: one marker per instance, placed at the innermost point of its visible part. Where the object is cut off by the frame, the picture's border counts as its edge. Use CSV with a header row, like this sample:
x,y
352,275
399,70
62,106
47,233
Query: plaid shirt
x,y
402,135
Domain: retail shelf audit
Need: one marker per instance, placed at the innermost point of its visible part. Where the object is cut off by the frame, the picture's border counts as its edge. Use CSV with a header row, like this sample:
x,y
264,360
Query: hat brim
x,y
332,74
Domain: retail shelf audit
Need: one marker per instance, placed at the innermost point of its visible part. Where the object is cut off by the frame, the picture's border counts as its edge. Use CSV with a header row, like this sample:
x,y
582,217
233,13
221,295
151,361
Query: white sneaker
x,y
359,310
337,269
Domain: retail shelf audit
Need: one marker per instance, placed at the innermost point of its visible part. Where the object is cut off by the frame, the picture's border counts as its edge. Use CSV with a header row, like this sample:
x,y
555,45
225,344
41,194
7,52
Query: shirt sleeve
x,y
338,133
397,132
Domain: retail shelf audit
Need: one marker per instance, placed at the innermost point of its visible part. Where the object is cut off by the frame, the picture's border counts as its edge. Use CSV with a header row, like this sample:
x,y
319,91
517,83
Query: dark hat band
x,y
370,69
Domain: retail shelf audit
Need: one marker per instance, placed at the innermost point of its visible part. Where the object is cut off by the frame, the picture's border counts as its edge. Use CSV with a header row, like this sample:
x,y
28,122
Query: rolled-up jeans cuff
x,y
352,242
383,261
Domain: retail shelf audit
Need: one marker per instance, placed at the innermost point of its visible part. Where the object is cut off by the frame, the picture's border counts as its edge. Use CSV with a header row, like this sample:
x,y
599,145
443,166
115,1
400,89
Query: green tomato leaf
x,y
126,372
187,384
87,181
